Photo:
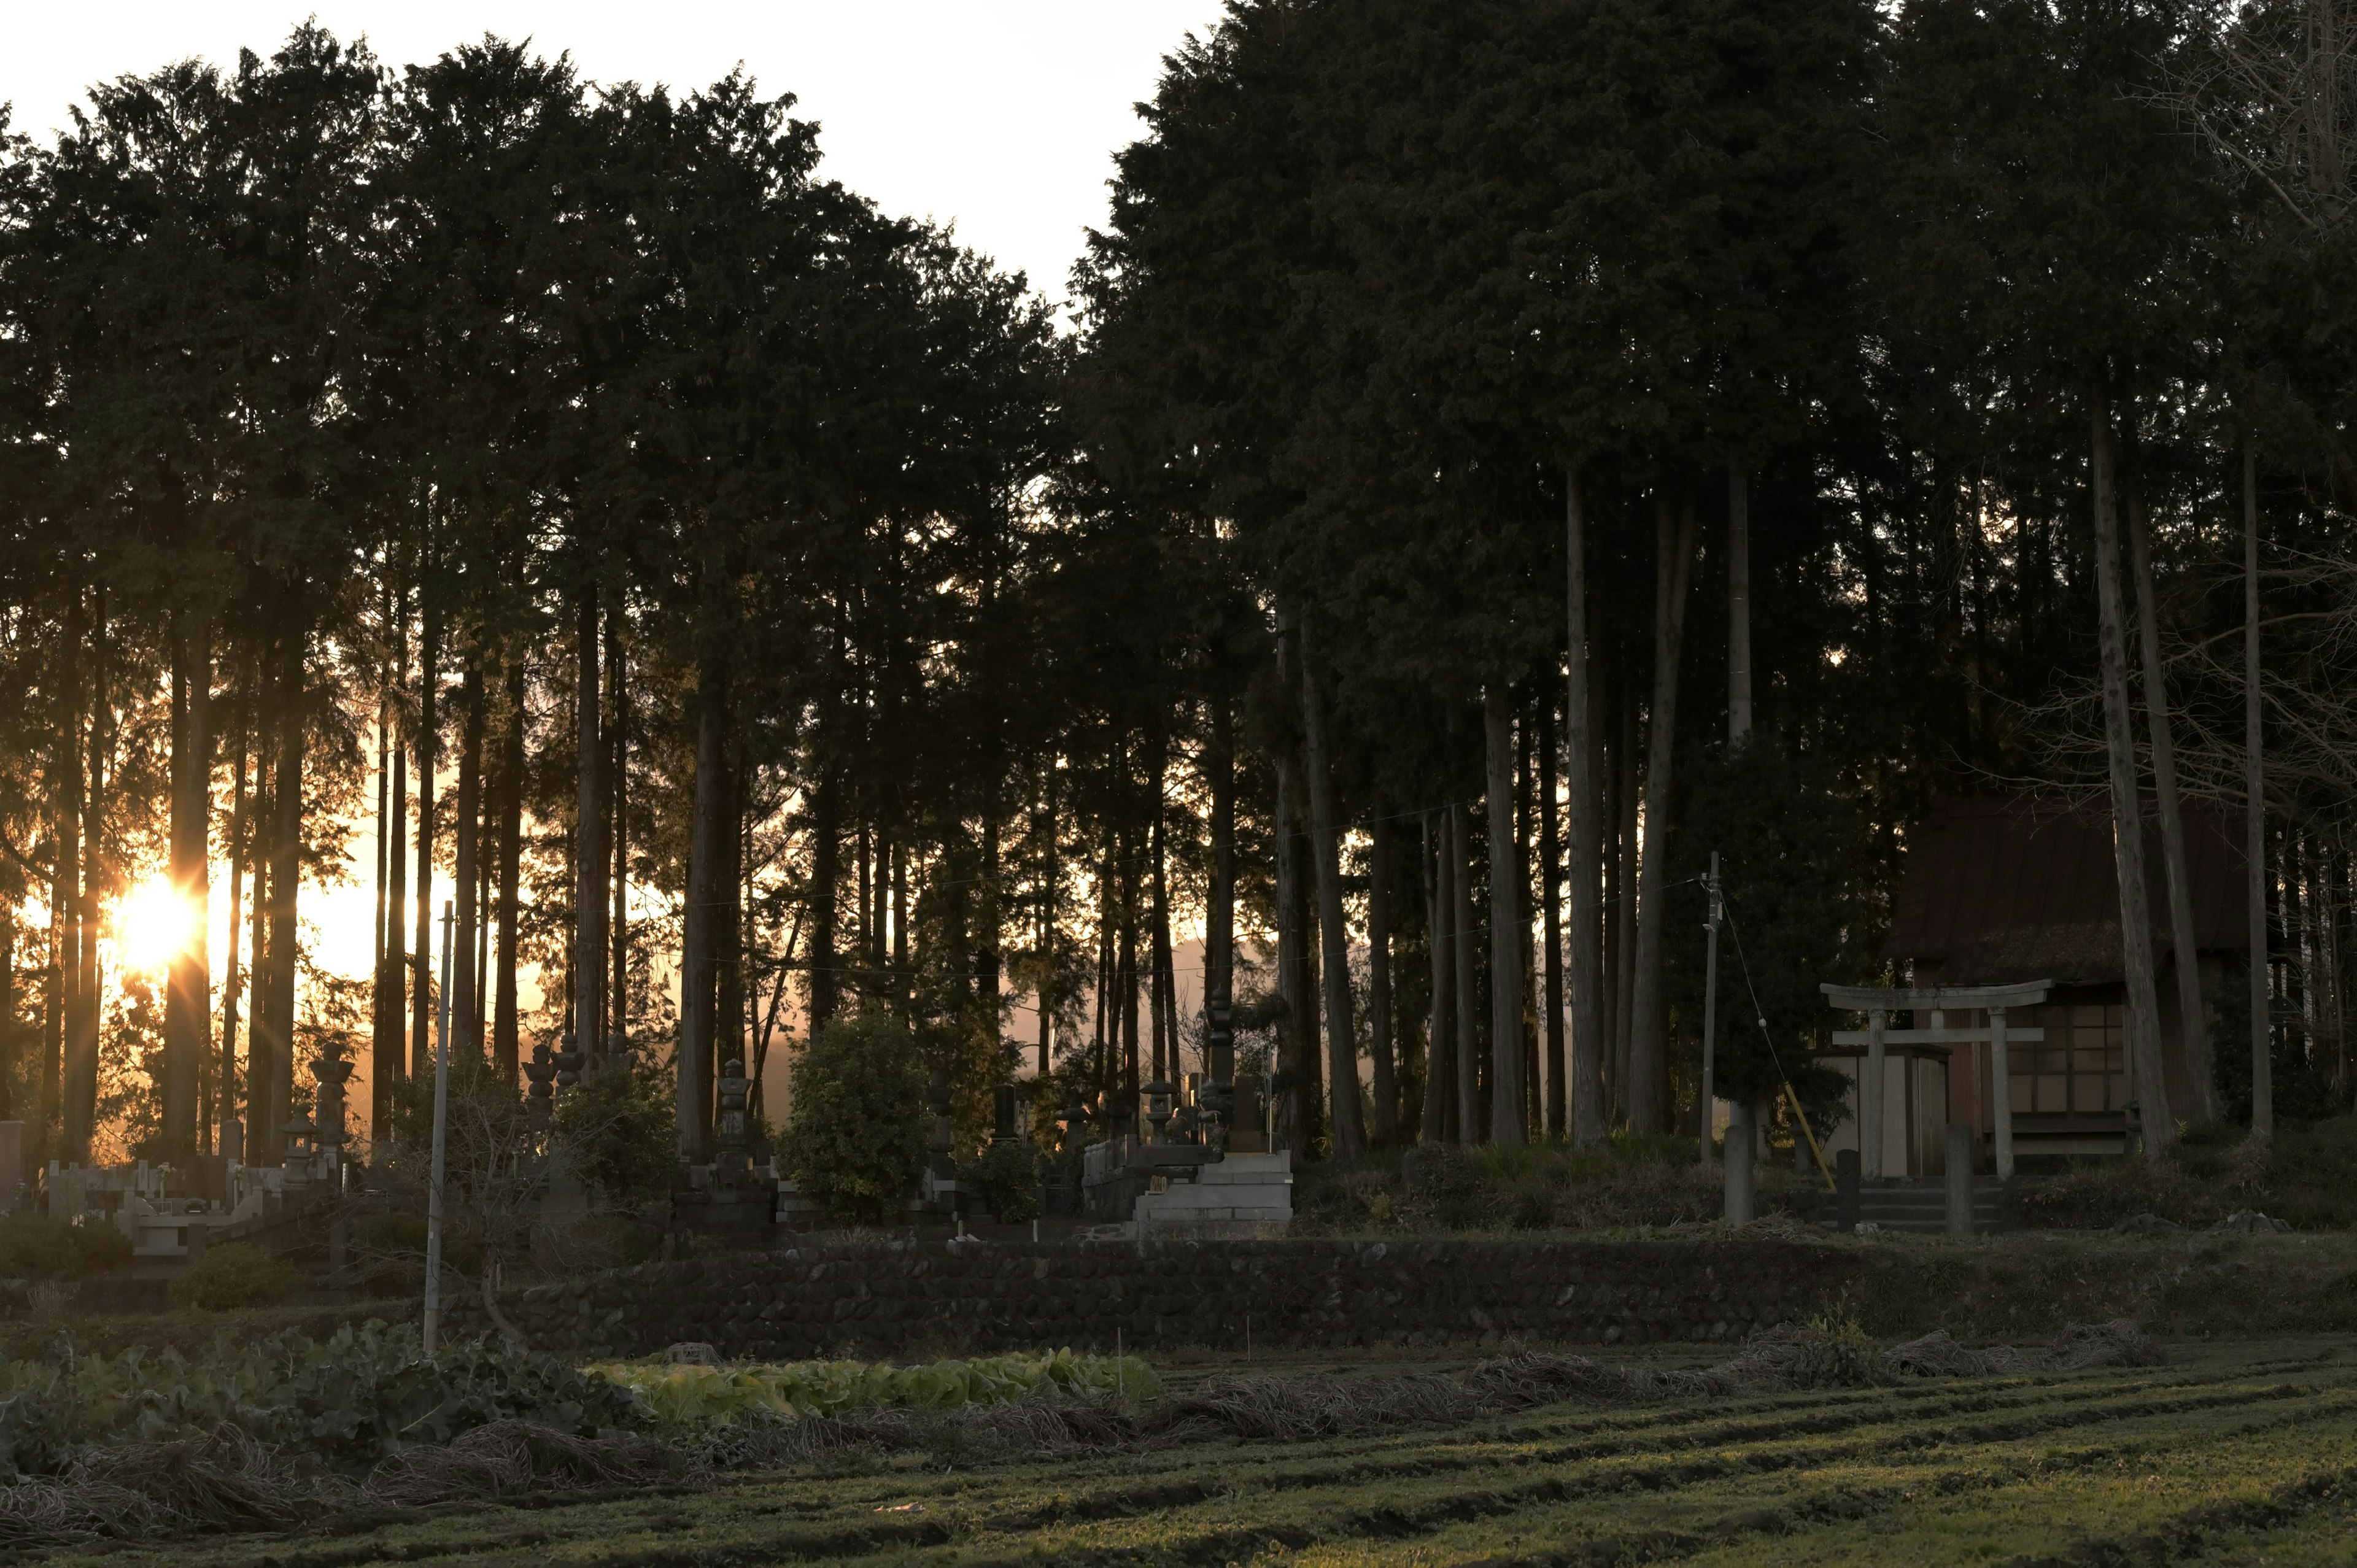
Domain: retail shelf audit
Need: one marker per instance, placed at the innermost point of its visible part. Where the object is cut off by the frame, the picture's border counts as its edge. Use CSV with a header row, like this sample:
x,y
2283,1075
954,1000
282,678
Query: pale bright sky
x,y
1001,115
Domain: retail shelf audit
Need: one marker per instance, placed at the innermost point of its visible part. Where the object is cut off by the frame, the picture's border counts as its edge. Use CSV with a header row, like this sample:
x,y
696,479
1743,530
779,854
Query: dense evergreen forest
x,y
1502,452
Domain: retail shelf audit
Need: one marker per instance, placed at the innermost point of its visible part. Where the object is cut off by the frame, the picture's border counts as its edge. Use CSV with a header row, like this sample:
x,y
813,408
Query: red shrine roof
x,y
2024,889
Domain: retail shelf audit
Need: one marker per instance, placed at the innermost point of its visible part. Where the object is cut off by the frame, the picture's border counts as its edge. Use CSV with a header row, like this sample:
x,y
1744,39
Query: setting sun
x,y
151,924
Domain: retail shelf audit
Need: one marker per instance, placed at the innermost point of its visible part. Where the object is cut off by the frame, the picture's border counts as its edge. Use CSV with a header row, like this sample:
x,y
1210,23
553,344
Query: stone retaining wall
x,y
908,1297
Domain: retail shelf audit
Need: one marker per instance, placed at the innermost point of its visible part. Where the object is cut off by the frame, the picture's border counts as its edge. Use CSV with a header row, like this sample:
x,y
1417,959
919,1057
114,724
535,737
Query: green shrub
x,y
102,1245
1011,1179
619,1132
856,1144
37,1246
234,1274
686,1398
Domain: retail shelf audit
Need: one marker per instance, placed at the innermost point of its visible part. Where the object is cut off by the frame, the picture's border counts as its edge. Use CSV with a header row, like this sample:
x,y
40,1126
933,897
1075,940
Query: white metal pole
x,y
441,1130
1710,1009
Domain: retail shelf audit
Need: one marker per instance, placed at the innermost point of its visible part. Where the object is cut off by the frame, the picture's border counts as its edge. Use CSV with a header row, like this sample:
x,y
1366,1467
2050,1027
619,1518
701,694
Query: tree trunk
x,y
1383,834
1649,1108
2193,1024
618,793
187,1002
1126,981
592,854
826,876
81,1085
1326,846
1583,763
1050,893
1738,605
1220,918
466,1013
2127,811
1439,1057
728,1016
506,1052
1299,1039
392,967
707,888
1465,1120
240,832
1507,1119
1558,1052
1620,941
276,1070
429,751
2254,810
1158,940
257,939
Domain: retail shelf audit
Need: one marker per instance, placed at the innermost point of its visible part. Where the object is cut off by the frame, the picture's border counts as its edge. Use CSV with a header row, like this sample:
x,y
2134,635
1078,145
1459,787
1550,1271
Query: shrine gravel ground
x,y
2238,1452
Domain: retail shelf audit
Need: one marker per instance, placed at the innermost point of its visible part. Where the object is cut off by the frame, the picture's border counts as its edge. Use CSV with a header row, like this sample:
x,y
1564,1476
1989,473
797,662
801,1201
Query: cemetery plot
x,y
2223,1452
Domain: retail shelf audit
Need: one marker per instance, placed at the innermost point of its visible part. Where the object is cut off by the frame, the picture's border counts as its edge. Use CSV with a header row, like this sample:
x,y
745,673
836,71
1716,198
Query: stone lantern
x,y
1158,1096
540,1073
331,1072
728,1168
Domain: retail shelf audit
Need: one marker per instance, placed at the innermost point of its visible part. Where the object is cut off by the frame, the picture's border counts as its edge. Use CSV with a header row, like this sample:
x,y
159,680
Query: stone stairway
x,y
1922,1206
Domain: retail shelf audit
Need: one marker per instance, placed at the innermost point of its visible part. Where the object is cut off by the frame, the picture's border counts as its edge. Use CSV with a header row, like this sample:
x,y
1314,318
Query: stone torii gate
x,y
1879,1003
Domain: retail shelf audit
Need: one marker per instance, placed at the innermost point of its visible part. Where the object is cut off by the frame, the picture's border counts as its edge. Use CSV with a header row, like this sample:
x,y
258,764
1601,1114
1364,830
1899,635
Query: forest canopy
x,y
1502,452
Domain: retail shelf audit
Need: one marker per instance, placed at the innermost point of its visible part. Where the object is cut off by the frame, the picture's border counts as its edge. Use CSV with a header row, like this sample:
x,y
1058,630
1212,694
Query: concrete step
x,y
1923,1207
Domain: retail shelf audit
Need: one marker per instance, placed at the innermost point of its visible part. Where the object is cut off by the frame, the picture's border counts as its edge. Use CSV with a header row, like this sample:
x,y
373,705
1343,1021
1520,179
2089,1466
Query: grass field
x,y
2241,1452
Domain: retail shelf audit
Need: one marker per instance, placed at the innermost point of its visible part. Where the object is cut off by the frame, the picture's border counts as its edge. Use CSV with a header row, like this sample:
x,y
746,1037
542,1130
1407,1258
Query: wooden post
x,y
1960,1178
2000,1096
1870,1118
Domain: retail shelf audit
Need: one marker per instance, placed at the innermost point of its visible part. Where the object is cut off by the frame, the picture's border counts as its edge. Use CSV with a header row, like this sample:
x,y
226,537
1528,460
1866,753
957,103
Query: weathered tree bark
x,y
1382,833
1649,1087
1466,1113
707,890
1166,974
188,998
2127,810
466,1014
10,1034
429,752
1052,878
1583,763
592,850
1508,1120
505,1049
65,956
1439,1056
275,1070
2254,810
1525,952
2200,1108
1738,604
1326,847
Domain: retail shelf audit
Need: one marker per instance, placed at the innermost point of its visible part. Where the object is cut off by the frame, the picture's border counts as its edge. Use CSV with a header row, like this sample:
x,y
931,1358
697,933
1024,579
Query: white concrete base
x,y
1243,1196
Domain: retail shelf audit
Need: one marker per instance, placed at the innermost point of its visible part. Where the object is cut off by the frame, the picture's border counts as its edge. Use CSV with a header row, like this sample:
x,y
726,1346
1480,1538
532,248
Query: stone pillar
x,y
2000,1096
1960,1178
1870,1091
1739,1157
1846,1205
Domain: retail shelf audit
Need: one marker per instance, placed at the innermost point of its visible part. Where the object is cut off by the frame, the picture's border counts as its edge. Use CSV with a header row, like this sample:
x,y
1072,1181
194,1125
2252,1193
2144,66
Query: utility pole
x,y
1710,1005
441,1129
